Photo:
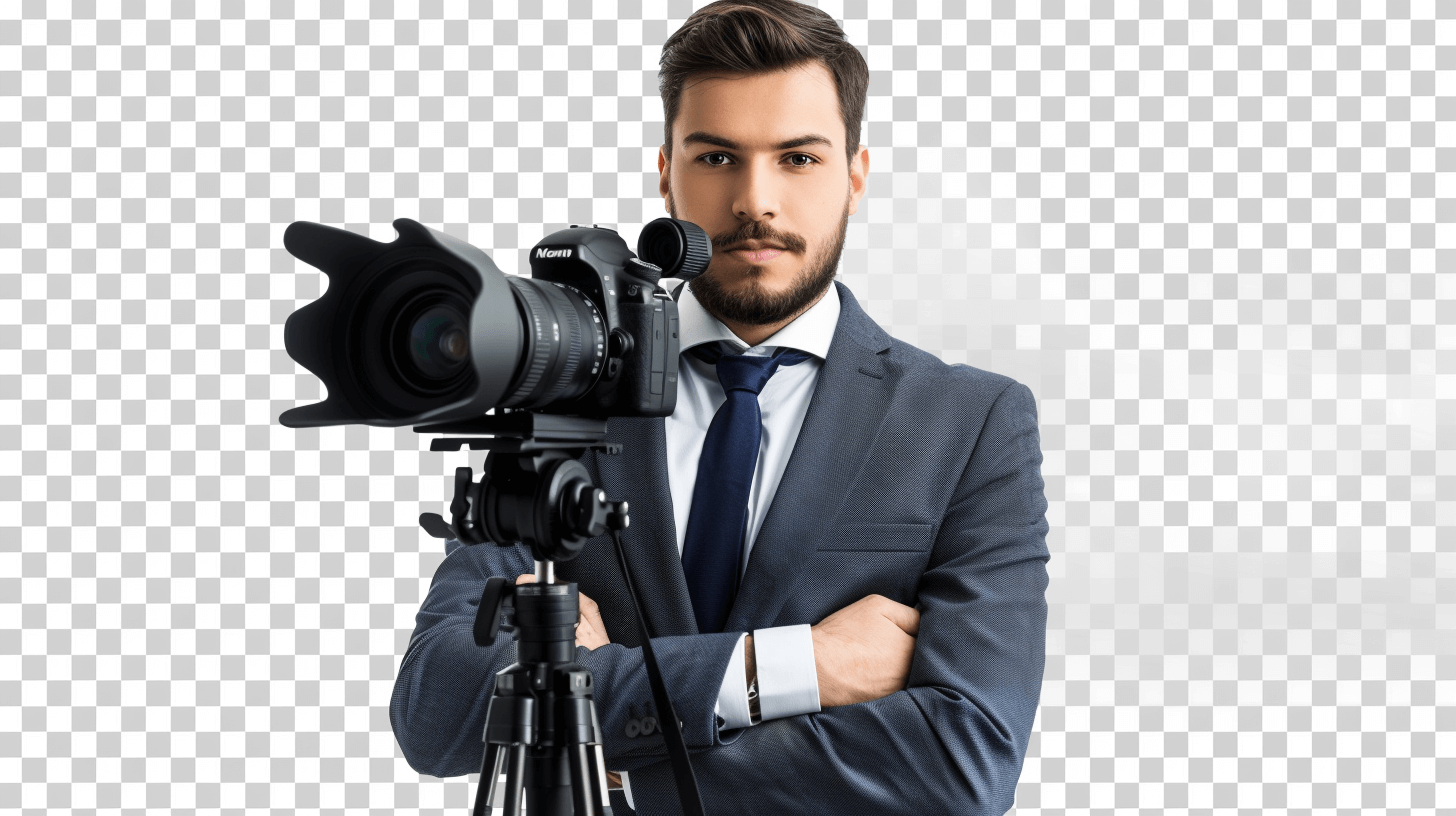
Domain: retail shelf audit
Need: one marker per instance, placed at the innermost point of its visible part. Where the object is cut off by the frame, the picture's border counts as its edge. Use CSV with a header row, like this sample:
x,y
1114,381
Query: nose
x,y
757,196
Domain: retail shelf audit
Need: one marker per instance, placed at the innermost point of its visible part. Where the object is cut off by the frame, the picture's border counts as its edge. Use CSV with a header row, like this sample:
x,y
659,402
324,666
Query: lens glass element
x,y
425,336
439,342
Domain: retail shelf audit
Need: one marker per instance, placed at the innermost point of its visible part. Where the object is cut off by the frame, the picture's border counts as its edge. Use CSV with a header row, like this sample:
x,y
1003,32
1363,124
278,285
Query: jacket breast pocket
x,y
871,537
855,559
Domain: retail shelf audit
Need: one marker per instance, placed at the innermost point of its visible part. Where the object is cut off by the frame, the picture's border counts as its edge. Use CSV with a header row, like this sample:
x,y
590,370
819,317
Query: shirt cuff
x,y
627,789
732,706
788,683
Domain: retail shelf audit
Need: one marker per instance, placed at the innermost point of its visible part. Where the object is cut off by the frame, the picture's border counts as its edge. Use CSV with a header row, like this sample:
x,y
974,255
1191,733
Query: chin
x,y
758,287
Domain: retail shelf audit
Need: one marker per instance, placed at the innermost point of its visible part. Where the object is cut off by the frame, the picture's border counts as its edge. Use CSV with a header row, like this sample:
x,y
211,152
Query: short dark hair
x,y
759,36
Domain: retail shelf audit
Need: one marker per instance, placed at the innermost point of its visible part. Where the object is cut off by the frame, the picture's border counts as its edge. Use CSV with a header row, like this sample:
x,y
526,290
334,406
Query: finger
x,y
591,631
591,635
528,578
592,614
901,615
589,607
593,618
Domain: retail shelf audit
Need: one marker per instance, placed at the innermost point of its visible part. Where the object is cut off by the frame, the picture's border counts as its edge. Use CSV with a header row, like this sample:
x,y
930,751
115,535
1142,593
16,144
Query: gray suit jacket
x,y
911,479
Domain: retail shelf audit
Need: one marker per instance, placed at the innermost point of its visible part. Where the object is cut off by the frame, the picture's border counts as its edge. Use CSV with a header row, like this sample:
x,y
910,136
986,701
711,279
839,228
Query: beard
x,y
749,303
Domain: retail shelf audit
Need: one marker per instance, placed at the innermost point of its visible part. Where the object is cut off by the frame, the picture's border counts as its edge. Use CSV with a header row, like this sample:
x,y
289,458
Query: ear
x,y
858,170
663,167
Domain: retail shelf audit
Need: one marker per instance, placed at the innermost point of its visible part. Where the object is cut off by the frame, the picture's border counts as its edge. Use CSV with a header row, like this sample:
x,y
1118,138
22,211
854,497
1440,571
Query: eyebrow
x,y
703,137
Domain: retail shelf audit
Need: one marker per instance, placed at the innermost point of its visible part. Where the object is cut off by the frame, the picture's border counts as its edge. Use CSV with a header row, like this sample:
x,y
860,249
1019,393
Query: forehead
x,y
759,110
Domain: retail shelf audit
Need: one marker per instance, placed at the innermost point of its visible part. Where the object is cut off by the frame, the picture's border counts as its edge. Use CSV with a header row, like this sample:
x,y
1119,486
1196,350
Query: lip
x,y
758,255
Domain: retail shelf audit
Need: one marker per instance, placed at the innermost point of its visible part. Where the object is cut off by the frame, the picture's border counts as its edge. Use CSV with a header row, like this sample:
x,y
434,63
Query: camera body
x,y
639,319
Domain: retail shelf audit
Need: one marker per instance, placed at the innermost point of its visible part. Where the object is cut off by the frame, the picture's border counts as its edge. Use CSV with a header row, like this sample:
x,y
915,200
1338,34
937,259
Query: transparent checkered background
x,y
1215,238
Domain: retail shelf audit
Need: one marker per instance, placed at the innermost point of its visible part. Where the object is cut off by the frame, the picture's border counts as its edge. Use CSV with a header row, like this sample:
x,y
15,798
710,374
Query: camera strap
x,y
677,749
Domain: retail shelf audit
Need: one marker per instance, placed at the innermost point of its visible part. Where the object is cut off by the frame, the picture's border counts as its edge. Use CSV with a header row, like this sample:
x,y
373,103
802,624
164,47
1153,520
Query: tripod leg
x,y
581,798
515,782
589,781
490,770
599,768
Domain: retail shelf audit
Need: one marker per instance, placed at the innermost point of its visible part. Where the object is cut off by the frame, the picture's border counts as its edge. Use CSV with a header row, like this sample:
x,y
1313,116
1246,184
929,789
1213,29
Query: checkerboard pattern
x,y
1215,238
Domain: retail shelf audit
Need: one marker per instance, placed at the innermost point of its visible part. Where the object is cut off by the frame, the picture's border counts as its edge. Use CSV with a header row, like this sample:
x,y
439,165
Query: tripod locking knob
x,y
497,599
617,519
593,515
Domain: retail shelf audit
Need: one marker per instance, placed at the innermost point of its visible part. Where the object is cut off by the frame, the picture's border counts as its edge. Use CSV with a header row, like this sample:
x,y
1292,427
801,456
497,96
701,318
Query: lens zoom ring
x,y
566,311
539,341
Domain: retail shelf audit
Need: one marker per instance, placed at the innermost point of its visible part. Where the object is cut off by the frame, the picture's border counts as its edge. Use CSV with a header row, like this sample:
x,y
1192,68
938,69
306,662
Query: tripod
x,y
541,727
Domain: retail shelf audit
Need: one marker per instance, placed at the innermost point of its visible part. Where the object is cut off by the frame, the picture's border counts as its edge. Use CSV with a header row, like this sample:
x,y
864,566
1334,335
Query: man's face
x,y
758,162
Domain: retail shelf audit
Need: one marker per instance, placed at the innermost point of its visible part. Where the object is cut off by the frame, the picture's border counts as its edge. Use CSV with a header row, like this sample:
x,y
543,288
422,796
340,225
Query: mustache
x,y
759,231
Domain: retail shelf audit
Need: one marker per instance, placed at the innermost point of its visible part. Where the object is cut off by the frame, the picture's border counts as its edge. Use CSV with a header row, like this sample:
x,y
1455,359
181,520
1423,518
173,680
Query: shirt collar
x,y
811,331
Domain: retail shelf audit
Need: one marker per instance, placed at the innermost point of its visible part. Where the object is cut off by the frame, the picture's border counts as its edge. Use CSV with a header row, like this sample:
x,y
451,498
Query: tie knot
x,y
746,372
740,372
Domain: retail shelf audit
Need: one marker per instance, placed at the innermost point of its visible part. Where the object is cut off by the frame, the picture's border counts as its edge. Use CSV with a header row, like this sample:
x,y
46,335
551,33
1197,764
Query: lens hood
x,y
354,337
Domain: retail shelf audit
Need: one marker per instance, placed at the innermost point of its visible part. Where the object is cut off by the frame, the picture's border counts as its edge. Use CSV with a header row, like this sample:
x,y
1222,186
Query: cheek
x,y
692,205
823,205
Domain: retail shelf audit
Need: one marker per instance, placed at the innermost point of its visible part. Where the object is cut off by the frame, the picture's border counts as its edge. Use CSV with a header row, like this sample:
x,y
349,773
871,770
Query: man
x,y
853,620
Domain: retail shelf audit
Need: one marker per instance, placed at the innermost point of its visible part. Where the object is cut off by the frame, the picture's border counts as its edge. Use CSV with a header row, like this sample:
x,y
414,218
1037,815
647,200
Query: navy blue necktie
x,y
713,546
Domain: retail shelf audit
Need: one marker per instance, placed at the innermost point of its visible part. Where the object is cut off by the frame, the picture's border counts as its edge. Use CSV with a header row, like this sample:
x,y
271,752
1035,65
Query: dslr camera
x,y
426,330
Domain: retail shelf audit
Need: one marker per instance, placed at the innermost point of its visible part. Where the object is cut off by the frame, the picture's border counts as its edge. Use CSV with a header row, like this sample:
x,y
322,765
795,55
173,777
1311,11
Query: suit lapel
x,y
638,476
845,414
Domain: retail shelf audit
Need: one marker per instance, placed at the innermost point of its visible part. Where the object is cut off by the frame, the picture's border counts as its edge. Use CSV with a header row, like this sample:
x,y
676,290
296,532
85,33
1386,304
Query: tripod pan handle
x,y
498,593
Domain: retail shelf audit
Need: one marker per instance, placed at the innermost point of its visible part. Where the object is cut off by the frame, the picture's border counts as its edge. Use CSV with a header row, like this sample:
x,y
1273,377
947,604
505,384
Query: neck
x,y
753,333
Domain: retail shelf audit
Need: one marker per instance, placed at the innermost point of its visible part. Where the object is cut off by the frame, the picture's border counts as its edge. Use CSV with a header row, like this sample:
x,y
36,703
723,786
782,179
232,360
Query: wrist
x,y
827,692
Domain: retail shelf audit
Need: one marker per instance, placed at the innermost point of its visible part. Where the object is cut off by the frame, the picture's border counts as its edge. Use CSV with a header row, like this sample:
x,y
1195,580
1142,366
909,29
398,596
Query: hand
x,y
590,631
863,651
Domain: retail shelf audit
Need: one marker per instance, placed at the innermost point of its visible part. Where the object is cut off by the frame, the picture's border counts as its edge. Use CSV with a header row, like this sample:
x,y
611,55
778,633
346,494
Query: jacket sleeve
x,y
445,681
954,740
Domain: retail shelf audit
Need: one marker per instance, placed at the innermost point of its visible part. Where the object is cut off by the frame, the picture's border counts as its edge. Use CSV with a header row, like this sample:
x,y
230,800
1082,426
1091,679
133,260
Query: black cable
x,y
677,750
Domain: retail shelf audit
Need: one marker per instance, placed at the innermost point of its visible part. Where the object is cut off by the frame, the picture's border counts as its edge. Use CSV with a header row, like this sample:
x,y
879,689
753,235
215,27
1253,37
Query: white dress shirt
x,y
787,682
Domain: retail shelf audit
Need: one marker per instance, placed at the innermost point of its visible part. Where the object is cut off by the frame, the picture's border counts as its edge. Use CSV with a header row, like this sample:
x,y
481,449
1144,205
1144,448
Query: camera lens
x,y
564,344
439,342
424,333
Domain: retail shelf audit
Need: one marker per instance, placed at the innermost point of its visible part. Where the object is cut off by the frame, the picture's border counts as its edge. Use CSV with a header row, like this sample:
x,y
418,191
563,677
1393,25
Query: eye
x,y
706,157
811,160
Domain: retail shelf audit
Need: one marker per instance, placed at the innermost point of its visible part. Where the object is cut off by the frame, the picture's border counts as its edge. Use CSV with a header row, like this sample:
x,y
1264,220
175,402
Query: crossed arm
x,y
862,652
952,740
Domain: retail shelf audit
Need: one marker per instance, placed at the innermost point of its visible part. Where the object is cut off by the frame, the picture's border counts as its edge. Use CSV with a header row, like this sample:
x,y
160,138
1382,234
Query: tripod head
x,y
533,489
